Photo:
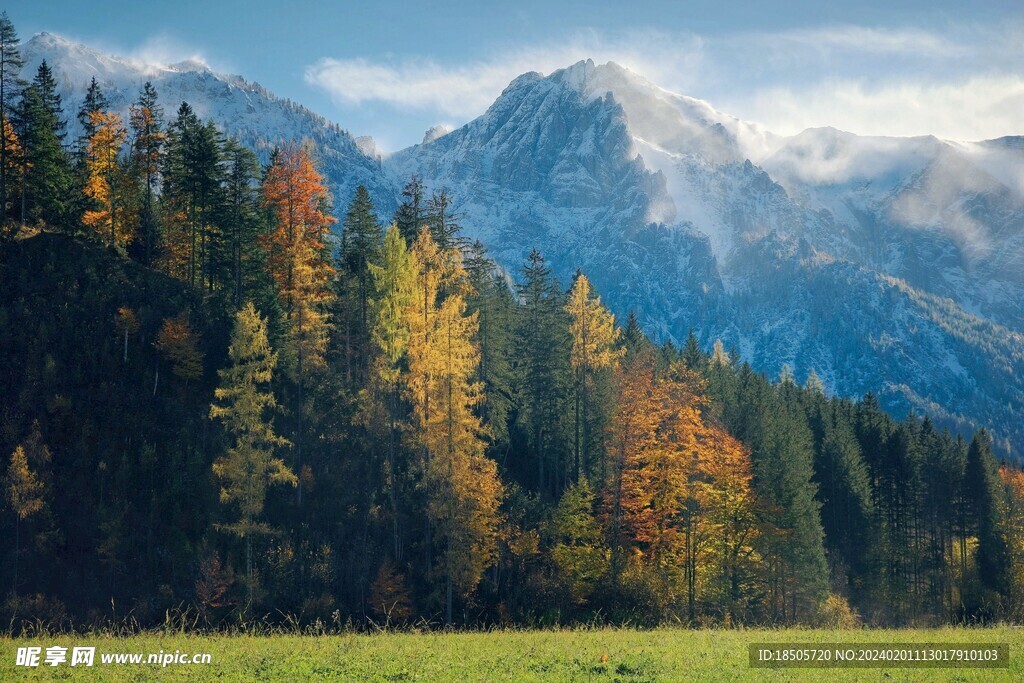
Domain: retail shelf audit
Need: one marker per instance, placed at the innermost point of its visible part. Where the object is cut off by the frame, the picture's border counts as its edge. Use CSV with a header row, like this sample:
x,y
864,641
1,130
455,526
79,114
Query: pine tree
x,y
361,244
241,220
984,491
541,362
10,87
45,176
192,197
847,512
443,221
411,213
491,299
243,402
693,356
147,138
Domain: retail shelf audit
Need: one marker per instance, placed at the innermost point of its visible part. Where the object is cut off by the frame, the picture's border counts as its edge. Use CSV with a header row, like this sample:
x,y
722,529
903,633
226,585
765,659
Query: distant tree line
x,y
211,403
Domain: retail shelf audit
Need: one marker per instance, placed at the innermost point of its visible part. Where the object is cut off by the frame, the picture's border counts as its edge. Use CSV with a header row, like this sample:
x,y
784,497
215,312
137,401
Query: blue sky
x,y
392,69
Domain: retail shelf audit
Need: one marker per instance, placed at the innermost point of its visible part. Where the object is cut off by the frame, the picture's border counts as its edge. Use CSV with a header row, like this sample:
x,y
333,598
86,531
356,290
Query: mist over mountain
x,y
889,265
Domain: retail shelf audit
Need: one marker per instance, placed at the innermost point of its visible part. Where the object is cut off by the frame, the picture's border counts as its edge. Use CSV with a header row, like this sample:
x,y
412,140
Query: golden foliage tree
x,y
112,222
462,483
24,493
243,401
594,346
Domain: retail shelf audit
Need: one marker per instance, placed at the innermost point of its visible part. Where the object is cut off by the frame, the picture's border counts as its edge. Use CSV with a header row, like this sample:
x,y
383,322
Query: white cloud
x,y
976,108
961,84
466,90
866,39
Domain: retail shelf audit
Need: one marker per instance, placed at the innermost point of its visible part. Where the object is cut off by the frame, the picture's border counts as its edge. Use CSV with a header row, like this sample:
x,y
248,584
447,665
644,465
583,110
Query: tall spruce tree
x,y
46,174
541,366
985,495
491,299
362,238
147,138
412,212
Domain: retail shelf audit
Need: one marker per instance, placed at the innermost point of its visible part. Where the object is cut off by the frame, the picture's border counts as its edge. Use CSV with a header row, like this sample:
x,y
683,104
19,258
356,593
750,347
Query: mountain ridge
x,y
697,220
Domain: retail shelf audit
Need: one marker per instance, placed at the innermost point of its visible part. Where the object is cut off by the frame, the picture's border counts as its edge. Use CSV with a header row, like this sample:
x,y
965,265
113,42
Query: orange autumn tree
x,y
300,262
112,222
677,503
297,253
12,161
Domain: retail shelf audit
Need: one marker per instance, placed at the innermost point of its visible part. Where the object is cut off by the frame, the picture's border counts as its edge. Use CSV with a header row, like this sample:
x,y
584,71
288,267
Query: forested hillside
x,y
211,404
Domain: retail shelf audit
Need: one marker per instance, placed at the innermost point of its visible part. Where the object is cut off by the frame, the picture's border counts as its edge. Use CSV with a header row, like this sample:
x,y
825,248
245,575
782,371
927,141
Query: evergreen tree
x,y
241,221
361,244
147,138
192,195
491,299
411,213
46,177
443,222
984,491
693,356
541,363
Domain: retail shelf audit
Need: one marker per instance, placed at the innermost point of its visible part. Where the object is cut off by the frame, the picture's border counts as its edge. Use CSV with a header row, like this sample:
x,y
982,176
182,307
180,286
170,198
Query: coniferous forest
x,y
227,394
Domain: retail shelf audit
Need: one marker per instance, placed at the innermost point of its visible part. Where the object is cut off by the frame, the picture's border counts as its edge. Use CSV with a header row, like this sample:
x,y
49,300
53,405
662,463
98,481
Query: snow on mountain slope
x,y
885,264
241,109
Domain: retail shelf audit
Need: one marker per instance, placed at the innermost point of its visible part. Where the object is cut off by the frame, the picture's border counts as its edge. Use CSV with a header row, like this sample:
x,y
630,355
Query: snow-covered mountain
x,y
892,265
242,109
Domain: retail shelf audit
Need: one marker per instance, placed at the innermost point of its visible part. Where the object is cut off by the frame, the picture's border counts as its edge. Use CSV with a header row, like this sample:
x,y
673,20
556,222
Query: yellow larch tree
x,y
595,345
463,489
112,222
244,404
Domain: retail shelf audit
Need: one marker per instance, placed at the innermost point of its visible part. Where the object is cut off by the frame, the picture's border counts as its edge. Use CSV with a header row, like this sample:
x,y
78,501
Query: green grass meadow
x,y
564,655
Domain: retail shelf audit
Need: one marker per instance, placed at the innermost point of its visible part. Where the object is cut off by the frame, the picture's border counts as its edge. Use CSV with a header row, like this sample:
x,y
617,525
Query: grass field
x,y
585,655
